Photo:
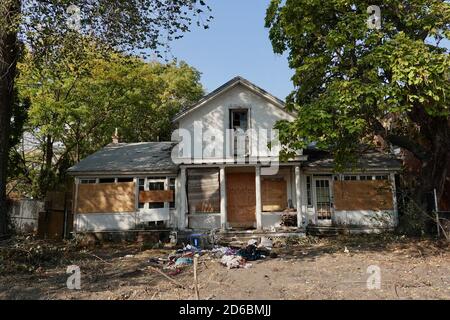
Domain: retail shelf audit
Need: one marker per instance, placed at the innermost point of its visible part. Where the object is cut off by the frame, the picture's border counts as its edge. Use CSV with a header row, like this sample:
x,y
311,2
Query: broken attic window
x,y
88,181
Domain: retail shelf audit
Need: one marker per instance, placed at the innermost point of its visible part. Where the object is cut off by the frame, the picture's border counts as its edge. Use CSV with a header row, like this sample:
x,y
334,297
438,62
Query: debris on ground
x,y
289,219
183,262
304,269
234,262
231,256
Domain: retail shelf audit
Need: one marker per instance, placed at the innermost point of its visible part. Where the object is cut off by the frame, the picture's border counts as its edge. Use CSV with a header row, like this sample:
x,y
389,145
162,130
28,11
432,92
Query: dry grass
x,y
309,268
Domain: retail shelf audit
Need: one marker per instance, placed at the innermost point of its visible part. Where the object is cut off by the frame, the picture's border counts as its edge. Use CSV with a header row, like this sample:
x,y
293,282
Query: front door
x,y
241,200
323,200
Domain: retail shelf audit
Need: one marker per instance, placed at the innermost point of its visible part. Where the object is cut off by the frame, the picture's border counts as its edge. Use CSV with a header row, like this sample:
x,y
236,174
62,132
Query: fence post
x,y
437,213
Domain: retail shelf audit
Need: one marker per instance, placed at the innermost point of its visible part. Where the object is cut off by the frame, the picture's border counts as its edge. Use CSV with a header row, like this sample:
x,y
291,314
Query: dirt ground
x,y
312,268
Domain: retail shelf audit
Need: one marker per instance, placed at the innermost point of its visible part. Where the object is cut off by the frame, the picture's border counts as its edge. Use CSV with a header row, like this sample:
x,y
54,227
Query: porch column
x,y
75,206
298,195
223,199
182,210
394,198
258,197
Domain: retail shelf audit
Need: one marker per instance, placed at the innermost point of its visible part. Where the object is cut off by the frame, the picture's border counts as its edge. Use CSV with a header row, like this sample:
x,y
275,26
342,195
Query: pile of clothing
x,y
237,258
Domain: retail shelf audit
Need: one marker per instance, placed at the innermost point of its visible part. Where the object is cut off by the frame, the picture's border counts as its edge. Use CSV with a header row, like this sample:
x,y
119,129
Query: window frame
x,y
146,206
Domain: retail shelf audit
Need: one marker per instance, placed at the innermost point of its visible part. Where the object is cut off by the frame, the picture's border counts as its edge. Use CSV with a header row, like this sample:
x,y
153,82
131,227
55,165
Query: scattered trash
x,y
199,240
232,262
346,250
173,236
188,248
289,218
250,253
266,243
183,262
230,256
218,252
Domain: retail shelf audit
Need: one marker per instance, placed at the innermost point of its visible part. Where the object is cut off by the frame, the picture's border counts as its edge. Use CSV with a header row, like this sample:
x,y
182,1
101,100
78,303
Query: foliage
x,y
354,83
412,220
19,117
73,115
54,32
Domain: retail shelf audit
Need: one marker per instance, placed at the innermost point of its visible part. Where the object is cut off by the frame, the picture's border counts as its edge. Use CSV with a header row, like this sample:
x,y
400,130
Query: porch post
x,y
258,197
298,195
75,206
182,210
223,199
394,198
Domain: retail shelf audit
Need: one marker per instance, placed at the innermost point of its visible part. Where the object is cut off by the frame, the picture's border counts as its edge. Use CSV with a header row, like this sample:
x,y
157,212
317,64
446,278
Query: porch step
x,y
327,231
331,231
244,236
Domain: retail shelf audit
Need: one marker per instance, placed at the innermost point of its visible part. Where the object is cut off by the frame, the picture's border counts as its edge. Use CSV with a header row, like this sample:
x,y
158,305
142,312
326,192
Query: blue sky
x,y
235,44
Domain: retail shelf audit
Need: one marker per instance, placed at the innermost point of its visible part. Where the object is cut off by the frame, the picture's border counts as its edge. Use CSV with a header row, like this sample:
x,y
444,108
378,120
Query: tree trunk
x,y
48,152
435,170
9,52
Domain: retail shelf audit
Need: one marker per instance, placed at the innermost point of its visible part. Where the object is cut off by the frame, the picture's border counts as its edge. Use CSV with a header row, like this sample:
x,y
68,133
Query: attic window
x,y
239,119
240,124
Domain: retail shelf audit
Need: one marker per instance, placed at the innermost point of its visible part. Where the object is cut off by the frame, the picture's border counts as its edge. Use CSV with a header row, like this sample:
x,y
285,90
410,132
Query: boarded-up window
x,y
106,198
203,190
273,194
363,195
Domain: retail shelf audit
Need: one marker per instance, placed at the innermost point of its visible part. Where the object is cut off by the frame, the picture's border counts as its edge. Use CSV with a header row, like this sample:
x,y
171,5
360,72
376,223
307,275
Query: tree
x,y
353,82
72,116
44,25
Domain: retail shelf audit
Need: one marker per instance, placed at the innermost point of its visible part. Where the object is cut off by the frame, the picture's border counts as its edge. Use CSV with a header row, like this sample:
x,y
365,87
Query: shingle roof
x,y
128,157
371,159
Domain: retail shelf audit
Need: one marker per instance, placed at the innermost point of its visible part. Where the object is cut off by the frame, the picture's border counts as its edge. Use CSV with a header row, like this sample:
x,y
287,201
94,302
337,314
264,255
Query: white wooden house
x,y
178,184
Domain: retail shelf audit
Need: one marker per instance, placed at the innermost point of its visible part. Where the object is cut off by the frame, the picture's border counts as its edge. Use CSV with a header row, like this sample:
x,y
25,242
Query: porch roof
x,y
128,158
371,160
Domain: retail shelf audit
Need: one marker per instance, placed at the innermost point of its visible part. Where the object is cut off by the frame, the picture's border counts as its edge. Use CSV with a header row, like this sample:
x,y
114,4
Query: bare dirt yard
x,y
309,268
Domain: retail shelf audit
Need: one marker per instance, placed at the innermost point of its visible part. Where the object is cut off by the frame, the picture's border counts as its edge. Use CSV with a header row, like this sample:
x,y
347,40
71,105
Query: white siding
x,y
214,115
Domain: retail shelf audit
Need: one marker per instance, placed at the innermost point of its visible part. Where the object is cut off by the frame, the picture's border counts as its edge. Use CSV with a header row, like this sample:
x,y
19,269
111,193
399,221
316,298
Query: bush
x,y
412,220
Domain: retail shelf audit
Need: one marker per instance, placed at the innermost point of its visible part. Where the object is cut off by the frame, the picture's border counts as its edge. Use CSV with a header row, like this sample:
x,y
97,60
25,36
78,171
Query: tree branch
x,y
402,141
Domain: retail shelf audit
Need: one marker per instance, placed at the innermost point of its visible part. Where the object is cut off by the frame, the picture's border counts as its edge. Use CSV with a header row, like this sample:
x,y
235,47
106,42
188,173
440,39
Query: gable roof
x,y
128,158
226,86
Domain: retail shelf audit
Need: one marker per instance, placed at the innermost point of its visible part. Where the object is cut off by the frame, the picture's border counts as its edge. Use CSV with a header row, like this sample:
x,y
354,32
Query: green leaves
x,y
80,111
349,78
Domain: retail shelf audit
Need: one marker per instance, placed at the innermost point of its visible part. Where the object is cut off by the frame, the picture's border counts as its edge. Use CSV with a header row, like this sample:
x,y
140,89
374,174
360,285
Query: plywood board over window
x,y
273,194
156,196
373,195
106,197
203,190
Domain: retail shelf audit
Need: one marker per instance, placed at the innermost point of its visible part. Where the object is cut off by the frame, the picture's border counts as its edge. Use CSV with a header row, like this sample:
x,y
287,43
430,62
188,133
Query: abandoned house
x,y
125,186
